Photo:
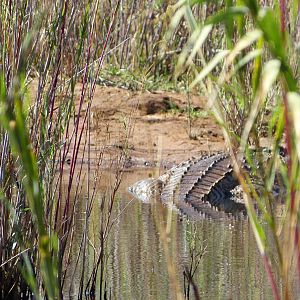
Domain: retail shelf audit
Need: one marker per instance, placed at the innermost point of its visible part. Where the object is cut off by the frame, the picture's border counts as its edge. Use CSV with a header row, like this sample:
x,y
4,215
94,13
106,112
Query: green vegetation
x,y
244,57
46,49
138,80
255,64
127,79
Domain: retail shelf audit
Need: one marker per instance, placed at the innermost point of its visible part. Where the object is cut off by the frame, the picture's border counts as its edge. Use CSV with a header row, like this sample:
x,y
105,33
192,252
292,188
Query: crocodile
x,y
198,187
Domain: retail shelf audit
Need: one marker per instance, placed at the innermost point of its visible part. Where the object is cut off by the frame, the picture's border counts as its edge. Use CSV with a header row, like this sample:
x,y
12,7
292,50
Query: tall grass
x,y
241,56
254,70
45,50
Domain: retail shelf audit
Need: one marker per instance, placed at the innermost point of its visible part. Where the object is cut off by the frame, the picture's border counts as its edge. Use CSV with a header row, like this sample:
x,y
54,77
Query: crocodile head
x,y
146,190
149,189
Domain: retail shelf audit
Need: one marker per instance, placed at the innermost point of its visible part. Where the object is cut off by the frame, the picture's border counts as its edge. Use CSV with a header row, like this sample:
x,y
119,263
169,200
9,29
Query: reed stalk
x,y
255,69
43,50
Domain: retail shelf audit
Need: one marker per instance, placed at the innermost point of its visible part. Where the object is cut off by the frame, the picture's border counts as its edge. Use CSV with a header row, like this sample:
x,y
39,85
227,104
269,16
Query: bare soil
x,y
152,127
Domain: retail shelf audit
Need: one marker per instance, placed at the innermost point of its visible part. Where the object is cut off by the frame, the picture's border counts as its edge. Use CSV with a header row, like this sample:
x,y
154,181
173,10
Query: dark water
x,y
231,267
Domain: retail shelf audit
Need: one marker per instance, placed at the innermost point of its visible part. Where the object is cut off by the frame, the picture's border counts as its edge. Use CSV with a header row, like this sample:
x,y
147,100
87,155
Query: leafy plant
x,y
255,69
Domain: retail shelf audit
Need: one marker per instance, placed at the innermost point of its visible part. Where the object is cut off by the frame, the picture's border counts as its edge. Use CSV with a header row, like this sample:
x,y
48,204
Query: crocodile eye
x,y
282,151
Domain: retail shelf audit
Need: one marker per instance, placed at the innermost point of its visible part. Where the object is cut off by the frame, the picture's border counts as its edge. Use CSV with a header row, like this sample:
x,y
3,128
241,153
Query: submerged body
x,y
197,187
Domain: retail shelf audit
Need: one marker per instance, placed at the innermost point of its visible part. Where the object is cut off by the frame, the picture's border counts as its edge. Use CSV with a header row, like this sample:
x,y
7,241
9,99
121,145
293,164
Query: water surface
x,y
231,267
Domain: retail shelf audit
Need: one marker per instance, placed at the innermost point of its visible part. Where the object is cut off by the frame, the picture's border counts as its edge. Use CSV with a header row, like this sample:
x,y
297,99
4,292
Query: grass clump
x,y
137,80
46,50
254,67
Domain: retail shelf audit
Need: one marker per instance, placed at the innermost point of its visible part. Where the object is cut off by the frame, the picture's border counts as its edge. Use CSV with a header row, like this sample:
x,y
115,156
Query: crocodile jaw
x,y
145,190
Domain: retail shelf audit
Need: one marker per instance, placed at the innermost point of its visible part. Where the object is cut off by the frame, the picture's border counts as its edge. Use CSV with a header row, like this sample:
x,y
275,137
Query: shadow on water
x,y
231,267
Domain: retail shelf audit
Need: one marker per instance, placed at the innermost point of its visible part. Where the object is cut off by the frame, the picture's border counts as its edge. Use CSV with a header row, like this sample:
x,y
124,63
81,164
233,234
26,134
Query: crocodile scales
x,y
197,187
